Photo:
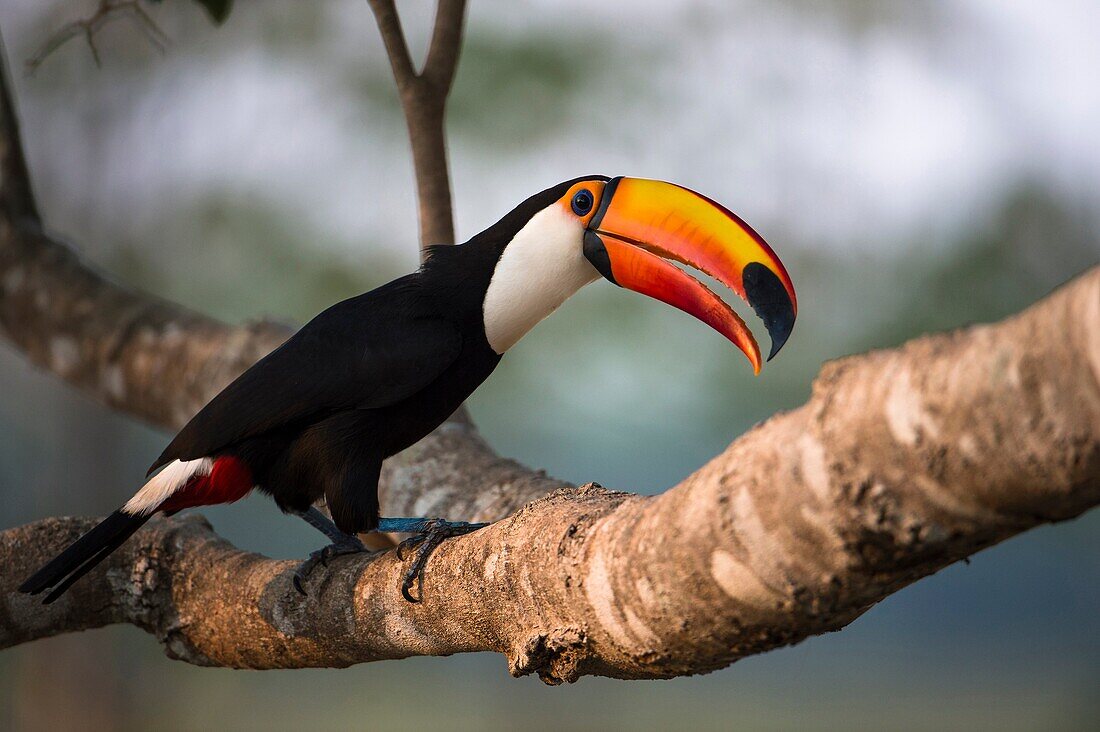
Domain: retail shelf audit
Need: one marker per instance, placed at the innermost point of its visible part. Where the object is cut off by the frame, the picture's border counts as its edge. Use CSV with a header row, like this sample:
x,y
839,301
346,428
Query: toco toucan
x,y
373,374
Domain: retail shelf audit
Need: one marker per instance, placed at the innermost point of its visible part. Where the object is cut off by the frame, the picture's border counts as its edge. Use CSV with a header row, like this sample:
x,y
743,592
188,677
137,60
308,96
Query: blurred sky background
x,y
918,166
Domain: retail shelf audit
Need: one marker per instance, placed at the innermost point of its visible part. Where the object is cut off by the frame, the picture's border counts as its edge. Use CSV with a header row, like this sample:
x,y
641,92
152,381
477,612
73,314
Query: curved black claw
x,y
322,557
433,533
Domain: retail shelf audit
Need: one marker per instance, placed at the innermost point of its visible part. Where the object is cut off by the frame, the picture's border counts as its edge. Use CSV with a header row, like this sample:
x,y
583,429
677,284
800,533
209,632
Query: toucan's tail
x,y
83,555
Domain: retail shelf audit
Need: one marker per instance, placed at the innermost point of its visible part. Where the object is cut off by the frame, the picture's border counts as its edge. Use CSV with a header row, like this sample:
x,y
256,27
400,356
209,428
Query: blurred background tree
x,y
918,166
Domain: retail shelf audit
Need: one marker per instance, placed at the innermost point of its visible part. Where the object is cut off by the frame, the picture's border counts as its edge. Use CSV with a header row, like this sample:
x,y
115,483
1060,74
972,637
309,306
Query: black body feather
x,y
363,380
83,555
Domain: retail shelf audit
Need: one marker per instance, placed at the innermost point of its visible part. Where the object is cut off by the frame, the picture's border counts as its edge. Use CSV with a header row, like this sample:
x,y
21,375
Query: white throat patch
x,y
539,270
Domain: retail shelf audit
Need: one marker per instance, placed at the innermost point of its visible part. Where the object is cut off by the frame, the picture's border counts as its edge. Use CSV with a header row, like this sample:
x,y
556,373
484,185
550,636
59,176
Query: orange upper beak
x,y
639,222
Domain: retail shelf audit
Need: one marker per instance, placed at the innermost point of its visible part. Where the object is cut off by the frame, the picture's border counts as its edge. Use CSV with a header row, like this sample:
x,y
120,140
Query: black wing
x,y
370,351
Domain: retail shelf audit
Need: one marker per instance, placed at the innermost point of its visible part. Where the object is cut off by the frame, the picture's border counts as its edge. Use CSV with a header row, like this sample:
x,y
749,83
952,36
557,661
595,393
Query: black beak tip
x,y
769,300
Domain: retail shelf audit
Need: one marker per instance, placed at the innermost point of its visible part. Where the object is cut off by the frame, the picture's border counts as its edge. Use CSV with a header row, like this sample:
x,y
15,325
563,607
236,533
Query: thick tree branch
x,y
902,462
16,196
442,60
131,351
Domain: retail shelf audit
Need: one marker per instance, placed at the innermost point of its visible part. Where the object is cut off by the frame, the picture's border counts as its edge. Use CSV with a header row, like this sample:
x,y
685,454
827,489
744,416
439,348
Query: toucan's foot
x,y
430,533
349,545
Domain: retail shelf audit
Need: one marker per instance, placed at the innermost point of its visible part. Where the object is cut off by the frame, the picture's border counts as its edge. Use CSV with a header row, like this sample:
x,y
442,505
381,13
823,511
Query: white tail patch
x,y
174,476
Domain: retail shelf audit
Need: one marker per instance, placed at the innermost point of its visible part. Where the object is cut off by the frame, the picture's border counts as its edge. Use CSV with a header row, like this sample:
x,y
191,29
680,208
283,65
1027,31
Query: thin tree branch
x,y
393,37
424,101
902,462
446,44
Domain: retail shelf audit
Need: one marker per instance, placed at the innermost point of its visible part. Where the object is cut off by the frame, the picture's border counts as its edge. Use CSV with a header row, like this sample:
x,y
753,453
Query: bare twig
x,y
144,23
902,462
87,28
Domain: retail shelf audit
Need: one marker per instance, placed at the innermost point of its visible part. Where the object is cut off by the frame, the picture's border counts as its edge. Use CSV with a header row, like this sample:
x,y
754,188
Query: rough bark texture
x,y
902,462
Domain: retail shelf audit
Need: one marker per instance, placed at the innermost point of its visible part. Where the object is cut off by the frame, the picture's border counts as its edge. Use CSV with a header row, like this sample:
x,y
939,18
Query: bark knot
x,y
555,655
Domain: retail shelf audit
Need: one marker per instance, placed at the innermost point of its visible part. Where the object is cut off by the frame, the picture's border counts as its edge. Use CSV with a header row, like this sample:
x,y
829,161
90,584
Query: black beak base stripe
x,y
596,253
605,201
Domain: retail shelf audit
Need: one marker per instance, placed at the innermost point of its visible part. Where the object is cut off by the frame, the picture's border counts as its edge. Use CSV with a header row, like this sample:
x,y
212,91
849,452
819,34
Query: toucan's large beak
x,y
640,221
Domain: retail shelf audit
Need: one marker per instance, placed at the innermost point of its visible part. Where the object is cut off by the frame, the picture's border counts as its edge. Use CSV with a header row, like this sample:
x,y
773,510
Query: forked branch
x,y
106,12
424,101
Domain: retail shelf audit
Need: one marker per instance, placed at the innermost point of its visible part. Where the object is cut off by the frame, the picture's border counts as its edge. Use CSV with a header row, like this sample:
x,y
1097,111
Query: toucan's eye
x,y
582,202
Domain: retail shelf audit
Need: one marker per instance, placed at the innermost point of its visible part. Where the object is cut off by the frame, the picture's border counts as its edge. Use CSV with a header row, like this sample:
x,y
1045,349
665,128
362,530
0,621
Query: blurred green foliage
x,y
244,259
1033,242
218,9
860,17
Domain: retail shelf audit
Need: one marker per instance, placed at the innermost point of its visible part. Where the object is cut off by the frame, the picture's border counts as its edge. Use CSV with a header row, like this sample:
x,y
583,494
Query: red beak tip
x,y
754,360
